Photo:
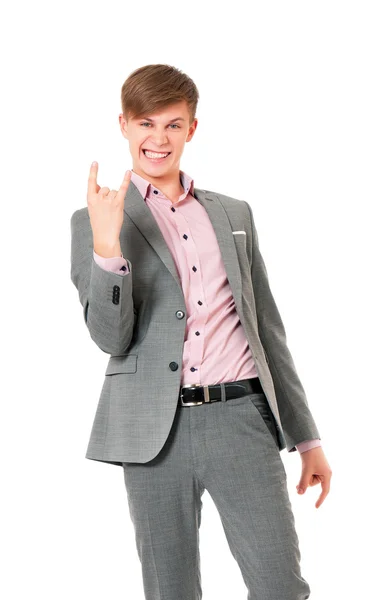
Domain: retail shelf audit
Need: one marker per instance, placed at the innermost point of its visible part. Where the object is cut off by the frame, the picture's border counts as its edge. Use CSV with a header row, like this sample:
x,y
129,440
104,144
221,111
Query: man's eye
x,y
173,124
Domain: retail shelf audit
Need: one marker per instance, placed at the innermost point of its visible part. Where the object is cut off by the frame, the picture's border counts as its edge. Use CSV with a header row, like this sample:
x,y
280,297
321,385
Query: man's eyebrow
x,y
171,121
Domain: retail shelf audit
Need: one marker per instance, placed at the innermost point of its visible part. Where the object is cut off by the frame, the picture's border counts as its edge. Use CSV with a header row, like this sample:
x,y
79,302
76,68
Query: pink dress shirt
x,y
213,326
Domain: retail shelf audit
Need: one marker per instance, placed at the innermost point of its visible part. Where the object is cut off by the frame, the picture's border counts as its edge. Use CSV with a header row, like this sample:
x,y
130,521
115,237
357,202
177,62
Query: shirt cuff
x,y
308,445
116,264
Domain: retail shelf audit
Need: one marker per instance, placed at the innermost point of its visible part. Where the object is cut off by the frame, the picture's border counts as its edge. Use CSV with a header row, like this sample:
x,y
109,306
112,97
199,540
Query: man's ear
x,y
122,123
192,129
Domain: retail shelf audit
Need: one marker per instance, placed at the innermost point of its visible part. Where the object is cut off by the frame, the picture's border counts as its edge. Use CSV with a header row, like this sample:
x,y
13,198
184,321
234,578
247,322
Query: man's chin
x,y
155,170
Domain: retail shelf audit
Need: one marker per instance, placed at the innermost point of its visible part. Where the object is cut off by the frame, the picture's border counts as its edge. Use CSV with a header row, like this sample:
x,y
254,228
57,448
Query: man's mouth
x,y
155,156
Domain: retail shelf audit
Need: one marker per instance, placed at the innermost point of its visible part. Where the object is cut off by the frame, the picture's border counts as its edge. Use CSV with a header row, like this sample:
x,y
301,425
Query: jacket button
x,y
116,294
173,366
180,314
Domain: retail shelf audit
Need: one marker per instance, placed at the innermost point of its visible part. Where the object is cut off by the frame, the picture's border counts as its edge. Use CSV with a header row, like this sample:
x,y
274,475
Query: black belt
x,y
191,395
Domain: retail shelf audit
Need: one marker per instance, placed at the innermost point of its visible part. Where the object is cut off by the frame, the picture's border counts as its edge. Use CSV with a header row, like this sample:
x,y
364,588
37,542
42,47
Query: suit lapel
x,y
135,207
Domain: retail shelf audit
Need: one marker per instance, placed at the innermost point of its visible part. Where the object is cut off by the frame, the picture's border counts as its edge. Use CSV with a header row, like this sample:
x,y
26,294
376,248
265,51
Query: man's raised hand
x,y
106,212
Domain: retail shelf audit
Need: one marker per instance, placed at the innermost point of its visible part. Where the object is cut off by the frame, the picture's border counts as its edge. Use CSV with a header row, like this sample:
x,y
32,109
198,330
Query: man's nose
x,y
160,138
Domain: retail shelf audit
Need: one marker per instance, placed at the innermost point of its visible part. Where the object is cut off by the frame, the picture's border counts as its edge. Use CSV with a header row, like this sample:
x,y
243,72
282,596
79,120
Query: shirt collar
x,y
147,190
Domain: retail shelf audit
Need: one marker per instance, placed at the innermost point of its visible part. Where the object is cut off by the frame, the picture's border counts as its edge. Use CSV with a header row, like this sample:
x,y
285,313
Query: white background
x,y
292,118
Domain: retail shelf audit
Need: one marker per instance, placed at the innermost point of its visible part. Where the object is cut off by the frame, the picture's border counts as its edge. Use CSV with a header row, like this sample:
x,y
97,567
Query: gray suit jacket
x,y
140,320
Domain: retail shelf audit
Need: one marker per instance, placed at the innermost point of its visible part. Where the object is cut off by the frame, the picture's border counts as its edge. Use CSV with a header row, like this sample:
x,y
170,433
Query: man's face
x,y
164,131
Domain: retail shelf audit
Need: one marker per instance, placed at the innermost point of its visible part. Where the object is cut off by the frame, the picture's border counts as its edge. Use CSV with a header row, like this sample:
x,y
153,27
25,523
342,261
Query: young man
x,y
201,392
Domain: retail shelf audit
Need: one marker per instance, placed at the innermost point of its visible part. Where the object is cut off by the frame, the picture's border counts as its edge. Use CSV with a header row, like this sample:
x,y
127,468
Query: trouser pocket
x,y
260,402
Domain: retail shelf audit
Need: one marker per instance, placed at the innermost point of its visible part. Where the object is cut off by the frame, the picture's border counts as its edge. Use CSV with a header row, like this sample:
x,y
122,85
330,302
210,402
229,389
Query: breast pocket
x,y
240,241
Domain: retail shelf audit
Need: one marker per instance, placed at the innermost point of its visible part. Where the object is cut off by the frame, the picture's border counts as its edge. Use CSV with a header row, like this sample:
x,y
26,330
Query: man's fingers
x,y
124,186
325,485
92,182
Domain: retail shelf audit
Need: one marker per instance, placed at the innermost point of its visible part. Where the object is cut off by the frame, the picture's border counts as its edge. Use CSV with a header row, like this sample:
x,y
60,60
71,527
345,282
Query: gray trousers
x,y
228,448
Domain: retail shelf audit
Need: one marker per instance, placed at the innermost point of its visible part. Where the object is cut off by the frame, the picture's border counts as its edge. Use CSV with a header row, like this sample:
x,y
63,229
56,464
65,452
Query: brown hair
x,y
153,87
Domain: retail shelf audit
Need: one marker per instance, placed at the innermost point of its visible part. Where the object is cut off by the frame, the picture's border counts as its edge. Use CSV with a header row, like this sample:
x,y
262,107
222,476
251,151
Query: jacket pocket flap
x,y
123,363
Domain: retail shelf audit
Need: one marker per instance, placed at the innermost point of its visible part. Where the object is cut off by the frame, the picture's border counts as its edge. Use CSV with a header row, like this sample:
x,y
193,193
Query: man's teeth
x,y
155,154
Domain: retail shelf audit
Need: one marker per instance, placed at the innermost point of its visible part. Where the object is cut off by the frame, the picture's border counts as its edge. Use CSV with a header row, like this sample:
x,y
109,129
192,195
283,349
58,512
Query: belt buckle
x,y
193,385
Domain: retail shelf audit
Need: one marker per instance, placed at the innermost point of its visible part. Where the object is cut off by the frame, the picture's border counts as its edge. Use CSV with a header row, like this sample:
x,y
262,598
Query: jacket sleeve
x,y
106,297
297,421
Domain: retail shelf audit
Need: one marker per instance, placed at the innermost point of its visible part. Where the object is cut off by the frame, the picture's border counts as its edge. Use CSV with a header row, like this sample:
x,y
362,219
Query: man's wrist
x,y
107,251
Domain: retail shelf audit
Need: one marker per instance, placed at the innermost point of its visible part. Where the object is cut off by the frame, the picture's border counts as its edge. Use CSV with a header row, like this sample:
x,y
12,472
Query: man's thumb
x,y
301,487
